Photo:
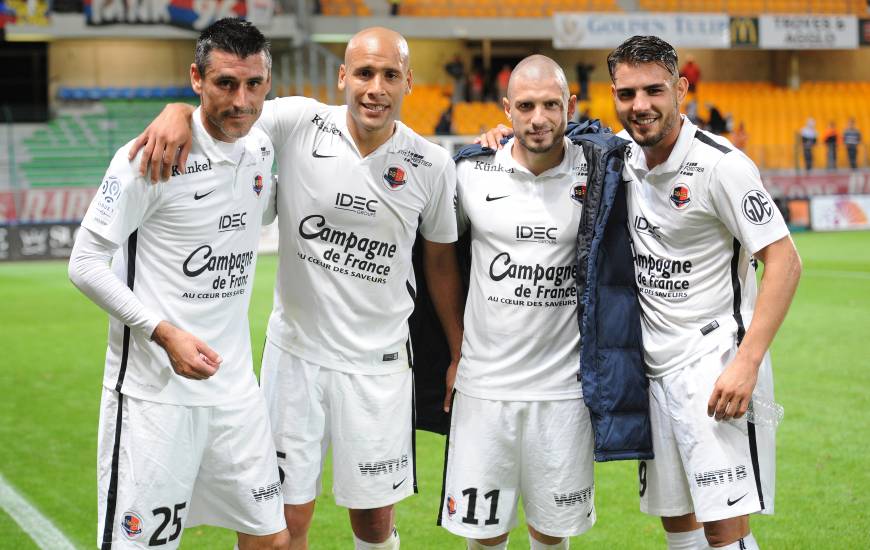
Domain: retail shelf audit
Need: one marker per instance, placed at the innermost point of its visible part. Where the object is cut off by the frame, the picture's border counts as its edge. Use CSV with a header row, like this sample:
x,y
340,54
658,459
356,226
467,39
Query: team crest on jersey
x,y
131,523
680,196
258,184
395,178
451,506
578,193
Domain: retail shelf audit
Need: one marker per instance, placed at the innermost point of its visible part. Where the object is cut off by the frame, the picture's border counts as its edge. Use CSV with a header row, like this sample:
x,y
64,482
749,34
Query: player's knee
x,y
494,543
298,519
278,541
680,524
372,525
726,531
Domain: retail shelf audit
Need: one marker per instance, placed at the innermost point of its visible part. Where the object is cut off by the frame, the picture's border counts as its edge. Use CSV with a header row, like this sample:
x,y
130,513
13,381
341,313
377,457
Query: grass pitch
x,y
53,343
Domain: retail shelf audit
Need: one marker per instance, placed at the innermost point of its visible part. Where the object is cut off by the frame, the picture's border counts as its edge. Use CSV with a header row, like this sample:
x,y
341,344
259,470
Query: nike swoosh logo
x,y
590,512
490,199
733,502
317,155
197,196
396,485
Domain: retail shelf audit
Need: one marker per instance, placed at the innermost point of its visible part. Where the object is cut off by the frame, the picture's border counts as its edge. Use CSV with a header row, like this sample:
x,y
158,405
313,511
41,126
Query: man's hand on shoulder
x,y
190,357
166,141
493,137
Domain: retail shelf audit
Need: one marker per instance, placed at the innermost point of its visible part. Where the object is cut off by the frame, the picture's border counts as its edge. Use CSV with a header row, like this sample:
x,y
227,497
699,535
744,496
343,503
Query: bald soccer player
x,y
519,426
355,186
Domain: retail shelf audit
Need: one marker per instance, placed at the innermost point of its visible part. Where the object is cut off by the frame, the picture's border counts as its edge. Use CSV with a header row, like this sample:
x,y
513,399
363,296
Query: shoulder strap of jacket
x,y
471,151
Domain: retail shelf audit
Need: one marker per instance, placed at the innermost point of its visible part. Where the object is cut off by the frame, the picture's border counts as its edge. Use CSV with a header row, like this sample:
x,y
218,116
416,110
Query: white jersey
x,y
521,340
695,222
188,252
345,286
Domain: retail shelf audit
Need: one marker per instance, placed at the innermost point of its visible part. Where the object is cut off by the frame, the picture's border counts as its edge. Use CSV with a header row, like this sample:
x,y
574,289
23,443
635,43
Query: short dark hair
x,y
233,36
644,49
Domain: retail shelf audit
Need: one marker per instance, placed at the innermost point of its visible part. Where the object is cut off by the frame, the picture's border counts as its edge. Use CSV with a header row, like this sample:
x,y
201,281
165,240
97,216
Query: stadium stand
x,y
345,8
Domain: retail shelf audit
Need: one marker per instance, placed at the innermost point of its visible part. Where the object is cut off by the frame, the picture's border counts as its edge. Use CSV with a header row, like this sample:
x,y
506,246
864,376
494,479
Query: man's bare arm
x,y
166,141
782,270
442,277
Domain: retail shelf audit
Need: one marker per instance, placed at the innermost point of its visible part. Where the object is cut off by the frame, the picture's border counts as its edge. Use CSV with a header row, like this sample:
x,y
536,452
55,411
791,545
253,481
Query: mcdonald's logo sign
x,y
744,32
864,32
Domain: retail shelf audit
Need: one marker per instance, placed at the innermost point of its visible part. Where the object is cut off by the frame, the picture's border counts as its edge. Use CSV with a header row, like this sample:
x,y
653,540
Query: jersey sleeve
x,y
123,200
282,116
743,204
462,220
438,219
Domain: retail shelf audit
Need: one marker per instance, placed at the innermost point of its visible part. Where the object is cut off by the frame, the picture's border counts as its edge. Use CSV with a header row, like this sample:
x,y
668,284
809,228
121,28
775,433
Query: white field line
x,y
833,274
38,527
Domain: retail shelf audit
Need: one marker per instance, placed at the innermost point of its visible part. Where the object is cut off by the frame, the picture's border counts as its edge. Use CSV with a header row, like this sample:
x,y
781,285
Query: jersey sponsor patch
x,y
680,197
757,207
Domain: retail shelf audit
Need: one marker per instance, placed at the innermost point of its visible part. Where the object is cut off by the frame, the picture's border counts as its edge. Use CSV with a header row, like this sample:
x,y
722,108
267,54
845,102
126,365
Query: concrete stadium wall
x,y
119,62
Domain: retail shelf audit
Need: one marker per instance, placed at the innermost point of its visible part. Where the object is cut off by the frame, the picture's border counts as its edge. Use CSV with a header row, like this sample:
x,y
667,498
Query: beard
x,y
651,140
558,135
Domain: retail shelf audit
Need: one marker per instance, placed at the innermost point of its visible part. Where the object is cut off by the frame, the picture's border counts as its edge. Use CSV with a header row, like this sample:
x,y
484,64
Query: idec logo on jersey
x,y
131,523
258,184
451,506
680,196
395,178
578,194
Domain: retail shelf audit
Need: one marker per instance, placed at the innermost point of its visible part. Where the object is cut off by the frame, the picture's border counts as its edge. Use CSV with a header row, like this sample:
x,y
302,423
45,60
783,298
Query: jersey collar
x,y
207,143
504,156
391,145
677,156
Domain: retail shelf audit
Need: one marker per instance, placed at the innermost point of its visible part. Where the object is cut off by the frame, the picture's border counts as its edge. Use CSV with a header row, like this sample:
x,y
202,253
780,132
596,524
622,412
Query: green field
x,y
53,339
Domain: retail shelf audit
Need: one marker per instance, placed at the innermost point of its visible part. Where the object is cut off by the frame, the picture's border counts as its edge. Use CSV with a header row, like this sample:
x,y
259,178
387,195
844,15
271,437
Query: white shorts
x,y
498,451
161,468
367,419
717,470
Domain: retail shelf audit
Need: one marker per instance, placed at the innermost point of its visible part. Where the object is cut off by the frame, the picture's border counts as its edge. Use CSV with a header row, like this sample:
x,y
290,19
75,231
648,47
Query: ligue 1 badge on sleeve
x,y
258,184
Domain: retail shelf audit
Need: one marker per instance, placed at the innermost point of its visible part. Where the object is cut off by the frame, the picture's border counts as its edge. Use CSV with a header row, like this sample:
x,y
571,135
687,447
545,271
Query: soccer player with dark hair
x,y
184,436
700,217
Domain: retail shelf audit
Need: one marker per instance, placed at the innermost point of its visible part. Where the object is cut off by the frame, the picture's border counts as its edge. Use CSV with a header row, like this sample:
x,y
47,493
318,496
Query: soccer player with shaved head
x,y
700,218
355,186
519,427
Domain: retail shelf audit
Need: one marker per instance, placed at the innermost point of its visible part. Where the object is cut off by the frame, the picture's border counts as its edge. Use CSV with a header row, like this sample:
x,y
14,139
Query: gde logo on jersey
x,y
680,196
258,184
131,523
757,208
394,178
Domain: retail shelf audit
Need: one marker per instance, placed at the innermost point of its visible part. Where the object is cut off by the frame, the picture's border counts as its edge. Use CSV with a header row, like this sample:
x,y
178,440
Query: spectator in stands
x,y
715,121
583,72
852,139
394,7
692,112
501,82
831,139
444,127
739,137
456,69
692,72
808,141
